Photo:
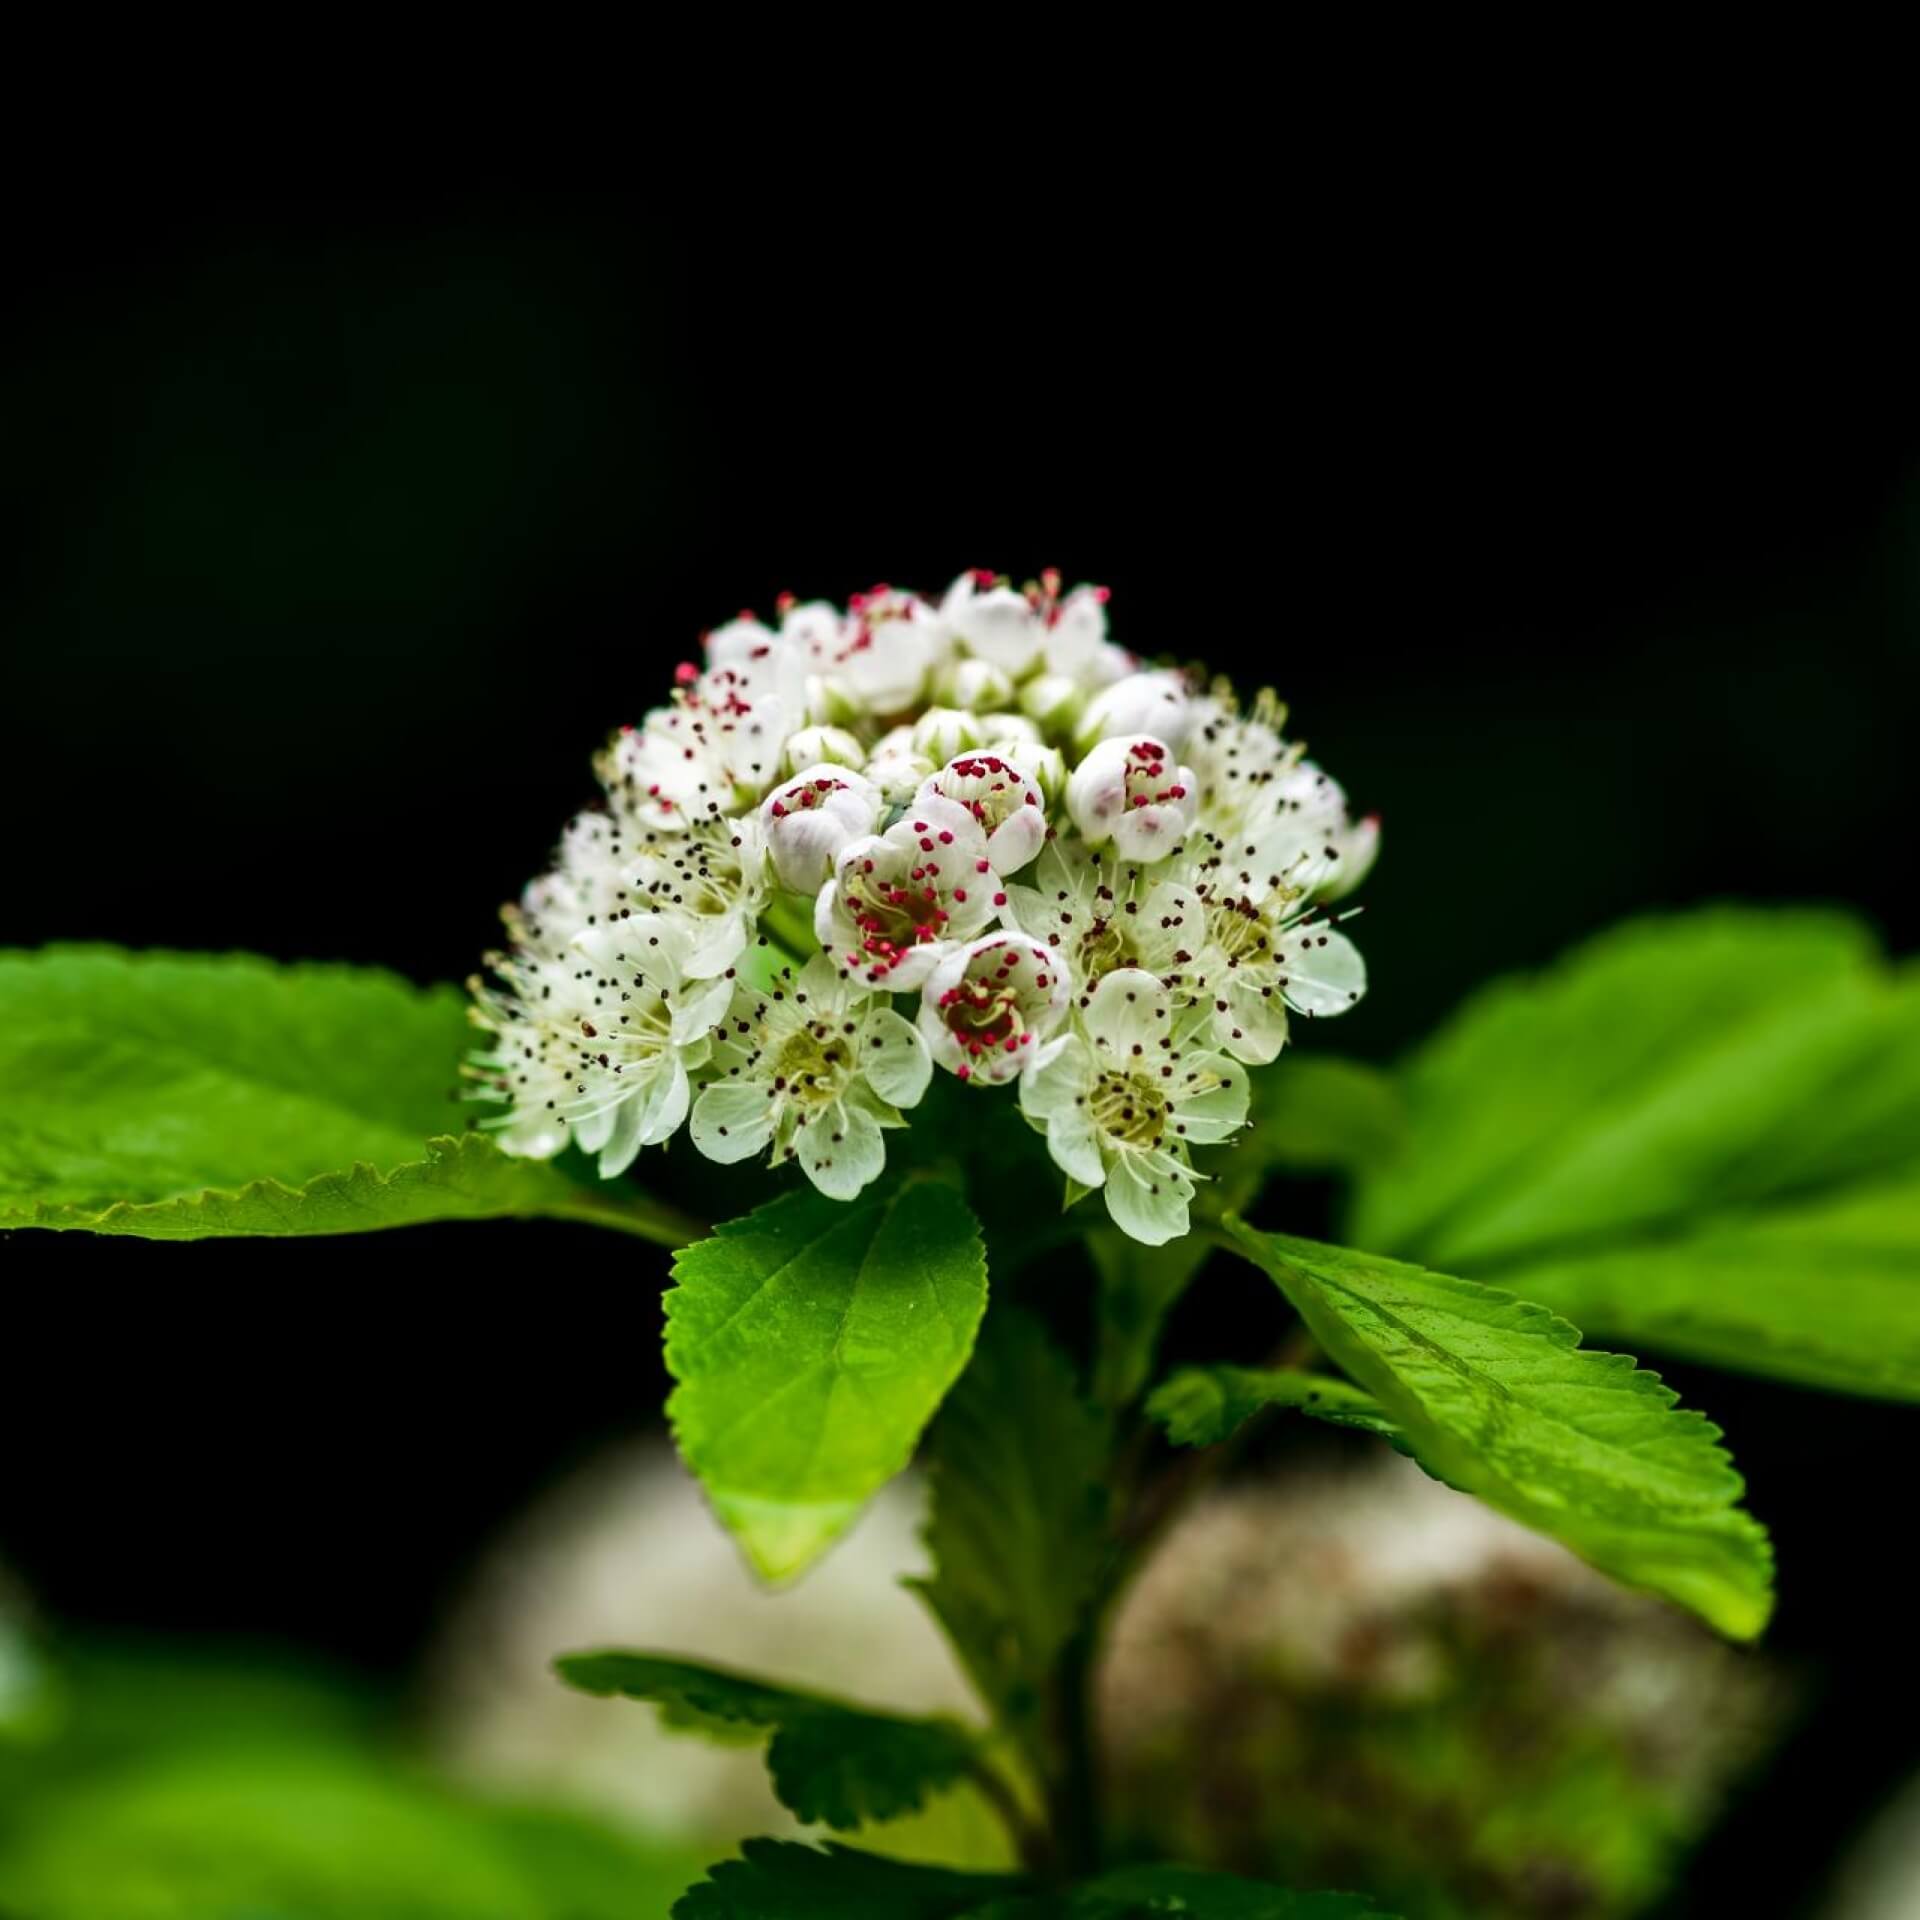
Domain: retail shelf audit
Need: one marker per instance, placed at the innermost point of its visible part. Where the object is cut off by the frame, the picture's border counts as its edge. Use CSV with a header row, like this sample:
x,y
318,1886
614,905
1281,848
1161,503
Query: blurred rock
x,y
1352,1676
1362,1678
628,1554
1880,1878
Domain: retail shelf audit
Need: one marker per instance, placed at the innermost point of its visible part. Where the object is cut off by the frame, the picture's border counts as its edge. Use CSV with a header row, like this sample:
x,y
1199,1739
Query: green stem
x,y
1073,1793
1153,1503
1031,1841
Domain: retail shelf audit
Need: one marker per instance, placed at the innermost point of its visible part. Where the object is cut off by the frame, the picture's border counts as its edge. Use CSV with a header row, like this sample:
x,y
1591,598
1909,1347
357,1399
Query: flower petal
x,y
662,1103
1211,1105
624,1137
841,1151
1323,971
732,1120
1147,1197
1129,1014
1254,1026
893,1054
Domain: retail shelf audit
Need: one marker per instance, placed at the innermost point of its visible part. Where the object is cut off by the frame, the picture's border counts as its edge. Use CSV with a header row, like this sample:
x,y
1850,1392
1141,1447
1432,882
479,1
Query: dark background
x,y
337,535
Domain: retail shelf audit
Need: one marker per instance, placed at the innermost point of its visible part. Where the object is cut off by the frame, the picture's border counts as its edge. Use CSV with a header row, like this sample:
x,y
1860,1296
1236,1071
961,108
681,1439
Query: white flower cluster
x,y
972,834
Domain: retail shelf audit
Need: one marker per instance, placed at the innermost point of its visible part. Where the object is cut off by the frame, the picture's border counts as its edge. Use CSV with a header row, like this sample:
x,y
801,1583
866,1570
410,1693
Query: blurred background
x,y
336,536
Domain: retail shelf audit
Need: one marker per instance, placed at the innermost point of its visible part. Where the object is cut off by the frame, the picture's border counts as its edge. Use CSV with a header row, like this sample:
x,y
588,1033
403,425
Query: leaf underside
x,y
1496,1397
830,1760
1201,1406
785,1880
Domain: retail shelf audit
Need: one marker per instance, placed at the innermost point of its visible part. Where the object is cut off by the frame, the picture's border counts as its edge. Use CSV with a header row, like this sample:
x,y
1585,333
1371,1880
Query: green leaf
x,y
1201,1406
812,1341
1699,1133
178,1096
1627,1085
456,1177
1826,1293
1318,1113
831,1761
1138,1892
1019,1526
783,1880
1496,1397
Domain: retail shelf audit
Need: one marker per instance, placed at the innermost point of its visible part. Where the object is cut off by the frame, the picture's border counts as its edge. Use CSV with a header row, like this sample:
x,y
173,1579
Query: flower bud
x,y
834,746
1005,804
1008,730
811,817
994,622
976,685
1149,703
1052,699
831,701
1131,792
987,1006
897,768
941,732
1107,664
740,641
1045,766
1076,630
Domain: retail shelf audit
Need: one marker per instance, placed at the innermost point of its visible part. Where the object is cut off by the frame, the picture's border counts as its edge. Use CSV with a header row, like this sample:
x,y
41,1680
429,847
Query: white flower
x,y
642,1025
1101,914
590,881
907,768
667,771
1356,847
718,746
1076,626
994,621
1006,806
815,1070
1040,627
742,641
809,819
987,1003
712,880
1330,852
1131,791
1249,777
1122,1102
898,900
1257,947
1150,703
533,1012
881,652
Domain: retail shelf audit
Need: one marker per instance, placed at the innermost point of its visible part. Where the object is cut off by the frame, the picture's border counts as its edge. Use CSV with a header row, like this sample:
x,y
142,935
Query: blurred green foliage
x,y
1698,1133
181,1787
